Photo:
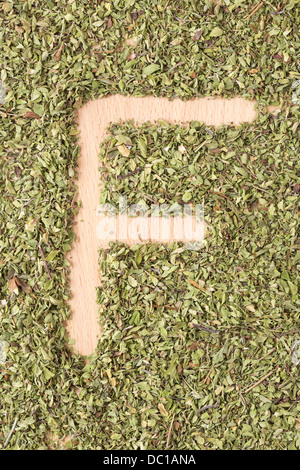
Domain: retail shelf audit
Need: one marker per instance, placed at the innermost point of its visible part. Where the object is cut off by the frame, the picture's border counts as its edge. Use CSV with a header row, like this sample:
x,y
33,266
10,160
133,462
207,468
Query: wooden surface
x,y
93,119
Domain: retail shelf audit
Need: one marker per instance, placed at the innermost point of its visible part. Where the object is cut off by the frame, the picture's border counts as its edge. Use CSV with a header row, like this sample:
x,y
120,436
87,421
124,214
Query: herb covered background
x,y
188,335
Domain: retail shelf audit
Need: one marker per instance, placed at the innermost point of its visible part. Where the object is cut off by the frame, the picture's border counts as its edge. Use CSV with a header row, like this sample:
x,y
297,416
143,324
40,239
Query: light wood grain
x,y
93,119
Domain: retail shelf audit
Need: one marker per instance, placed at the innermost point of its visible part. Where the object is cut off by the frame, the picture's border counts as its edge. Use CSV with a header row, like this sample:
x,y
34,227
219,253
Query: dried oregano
x,y
221,368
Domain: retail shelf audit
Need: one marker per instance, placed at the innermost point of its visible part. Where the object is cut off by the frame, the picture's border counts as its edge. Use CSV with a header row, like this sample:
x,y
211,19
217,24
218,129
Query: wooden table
x,y
93,119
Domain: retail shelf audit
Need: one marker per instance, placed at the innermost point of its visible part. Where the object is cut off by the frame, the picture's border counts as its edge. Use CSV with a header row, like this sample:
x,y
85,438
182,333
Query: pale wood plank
x,y
93,119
